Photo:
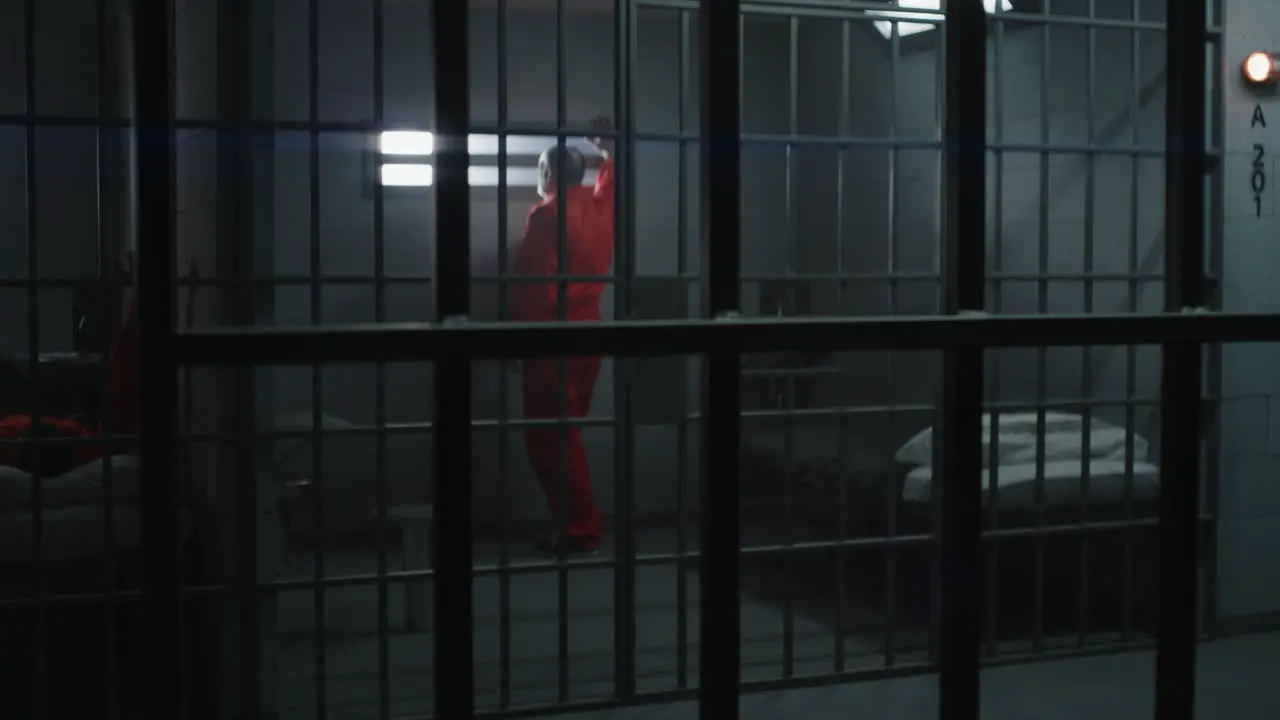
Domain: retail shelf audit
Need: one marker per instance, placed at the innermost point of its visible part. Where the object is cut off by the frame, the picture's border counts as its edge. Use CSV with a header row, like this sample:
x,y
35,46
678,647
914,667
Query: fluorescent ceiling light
x,y
419,142
914,28
406,142
423,175
406,175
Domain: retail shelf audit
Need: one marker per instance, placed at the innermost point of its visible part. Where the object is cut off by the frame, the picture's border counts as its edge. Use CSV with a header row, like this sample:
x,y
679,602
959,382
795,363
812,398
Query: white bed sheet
x,y
1063,483
74,533
1019,435
84,486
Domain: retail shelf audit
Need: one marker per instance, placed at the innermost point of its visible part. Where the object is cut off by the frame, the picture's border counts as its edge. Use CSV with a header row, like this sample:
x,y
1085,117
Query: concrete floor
x,y
1237,675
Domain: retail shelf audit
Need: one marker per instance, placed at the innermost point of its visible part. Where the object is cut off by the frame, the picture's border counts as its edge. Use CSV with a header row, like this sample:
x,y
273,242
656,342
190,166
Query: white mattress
x,y
1063,482
74,522
1025,436
73,533
84,486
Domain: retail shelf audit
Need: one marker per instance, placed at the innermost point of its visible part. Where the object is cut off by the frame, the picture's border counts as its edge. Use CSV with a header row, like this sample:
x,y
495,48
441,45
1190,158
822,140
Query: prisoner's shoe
x,y
574,547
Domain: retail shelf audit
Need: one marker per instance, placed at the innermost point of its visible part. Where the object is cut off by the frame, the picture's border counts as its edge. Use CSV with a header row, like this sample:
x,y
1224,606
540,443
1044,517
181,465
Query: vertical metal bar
x,y
892,508
939,113
41,659
317,370
684,104
235,238
624,583
991,581
997,135
1131,352
248,542
381,491
940,252
562,370
158,376
562,104
682,439
1086,353
682,549
891,234
109,563
454,651
788,397
895,62
721,215
845,111
504,386
786,390
1213,423
1042,353
964,141
842,511
992,568
1181,405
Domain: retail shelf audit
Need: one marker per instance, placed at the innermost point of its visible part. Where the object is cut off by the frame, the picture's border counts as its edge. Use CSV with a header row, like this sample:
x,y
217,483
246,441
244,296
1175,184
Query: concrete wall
x,y
891,202
346,221
1250,498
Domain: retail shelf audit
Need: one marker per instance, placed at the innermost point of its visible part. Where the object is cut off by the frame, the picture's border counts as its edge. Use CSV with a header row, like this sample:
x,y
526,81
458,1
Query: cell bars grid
x,y
720,337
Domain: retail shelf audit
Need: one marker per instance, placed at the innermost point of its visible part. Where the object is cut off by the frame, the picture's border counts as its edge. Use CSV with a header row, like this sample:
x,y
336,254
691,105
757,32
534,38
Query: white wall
x,y
1250,500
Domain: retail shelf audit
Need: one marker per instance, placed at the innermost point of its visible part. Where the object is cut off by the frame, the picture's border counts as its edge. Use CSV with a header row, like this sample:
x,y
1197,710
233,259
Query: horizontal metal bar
x,y
641,560
373,281
864,9
390,342
755,6
487,425
1083,21
552,133
759,416
836,277
65,282
912,143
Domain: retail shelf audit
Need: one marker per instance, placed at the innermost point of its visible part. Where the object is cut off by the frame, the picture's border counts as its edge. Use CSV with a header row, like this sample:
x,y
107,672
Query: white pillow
x,y
1063,440
79,487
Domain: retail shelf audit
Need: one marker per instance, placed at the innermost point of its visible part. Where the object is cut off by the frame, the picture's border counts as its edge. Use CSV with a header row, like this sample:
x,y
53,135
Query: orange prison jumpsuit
x,y
588,250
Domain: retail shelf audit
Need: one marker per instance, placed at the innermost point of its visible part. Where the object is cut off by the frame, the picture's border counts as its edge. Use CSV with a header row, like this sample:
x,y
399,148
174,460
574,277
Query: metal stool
x,y
415,523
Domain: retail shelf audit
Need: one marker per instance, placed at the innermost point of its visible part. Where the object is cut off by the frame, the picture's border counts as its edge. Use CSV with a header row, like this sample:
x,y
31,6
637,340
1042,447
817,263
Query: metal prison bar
x,y
319,596
158,366
1182,366
453,346
455,677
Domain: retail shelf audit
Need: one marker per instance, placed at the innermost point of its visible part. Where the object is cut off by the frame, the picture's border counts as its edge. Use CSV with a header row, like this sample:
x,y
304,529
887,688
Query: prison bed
x,y
883,493
72,637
